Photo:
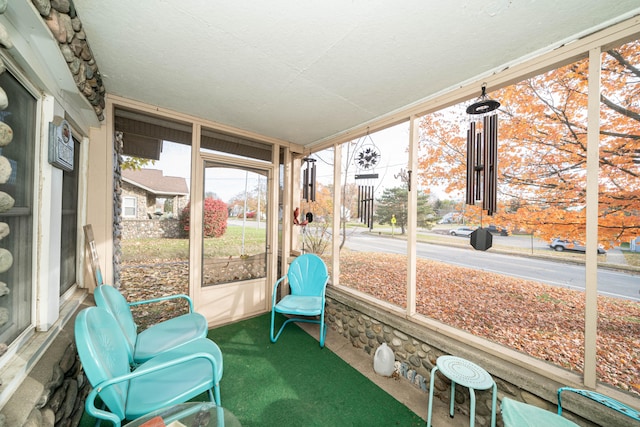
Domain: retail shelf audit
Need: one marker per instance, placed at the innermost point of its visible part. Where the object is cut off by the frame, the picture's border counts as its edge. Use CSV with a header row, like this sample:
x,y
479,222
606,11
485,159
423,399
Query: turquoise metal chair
x,y
307,278
157,338
602,399
520,414
170,378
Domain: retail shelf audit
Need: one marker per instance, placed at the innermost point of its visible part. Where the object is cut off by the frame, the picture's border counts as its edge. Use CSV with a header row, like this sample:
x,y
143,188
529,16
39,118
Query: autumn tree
x,y
256,198
135,163
542,149
393,202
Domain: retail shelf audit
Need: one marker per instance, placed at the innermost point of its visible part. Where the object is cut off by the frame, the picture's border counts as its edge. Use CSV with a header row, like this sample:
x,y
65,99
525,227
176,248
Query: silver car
x,y
571,245
462,231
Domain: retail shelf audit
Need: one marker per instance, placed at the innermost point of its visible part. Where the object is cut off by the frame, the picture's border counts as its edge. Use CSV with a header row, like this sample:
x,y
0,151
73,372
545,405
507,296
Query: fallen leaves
x,y
543,321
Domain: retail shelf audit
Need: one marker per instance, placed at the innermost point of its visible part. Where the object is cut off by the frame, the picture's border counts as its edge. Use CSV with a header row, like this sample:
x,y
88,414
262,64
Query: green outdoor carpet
x,y
296,383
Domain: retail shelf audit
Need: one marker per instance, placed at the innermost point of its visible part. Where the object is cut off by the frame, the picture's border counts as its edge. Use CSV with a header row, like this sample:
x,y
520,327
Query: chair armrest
x,y
602,399
165,298
142,370
139,372
95,412
275,289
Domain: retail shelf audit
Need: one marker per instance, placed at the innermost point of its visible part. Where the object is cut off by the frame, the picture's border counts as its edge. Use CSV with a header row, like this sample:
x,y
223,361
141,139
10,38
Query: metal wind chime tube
x,y
482,155
471,172
309,180
490,134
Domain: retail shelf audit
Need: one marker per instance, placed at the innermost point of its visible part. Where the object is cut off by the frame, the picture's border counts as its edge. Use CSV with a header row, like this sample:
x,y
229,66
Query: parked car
x,y
493,229
462,231
571,245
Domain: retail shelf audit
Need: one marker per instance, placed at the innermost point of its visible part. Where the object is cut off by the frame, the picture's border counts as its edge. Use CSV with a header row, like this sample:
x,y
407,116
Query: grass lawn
x,y
145,250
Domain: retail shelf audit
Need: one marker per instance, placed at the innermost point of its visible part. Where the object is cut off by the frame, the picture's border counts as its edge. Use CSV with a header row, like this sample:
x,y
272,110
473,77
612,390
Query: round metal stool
x,y
467,374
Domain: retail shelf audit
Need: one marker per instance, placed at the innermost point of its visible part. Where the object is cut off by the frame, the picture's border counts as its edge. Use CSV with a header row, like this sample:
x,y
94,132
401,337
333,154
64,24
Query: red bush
x,y
214,218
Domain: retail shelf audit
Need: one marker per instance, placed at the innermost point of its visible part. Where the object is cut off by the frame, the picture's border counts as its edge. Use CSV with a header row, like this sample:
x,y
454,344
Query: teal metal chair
x,y
520,414
157,338
170,378
307,278
602,399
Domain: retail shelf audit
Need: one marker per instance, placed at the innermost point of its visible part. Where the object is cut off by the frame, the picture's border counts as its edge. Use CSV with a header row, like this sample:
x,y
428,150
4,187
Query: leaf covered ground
x,y
540,320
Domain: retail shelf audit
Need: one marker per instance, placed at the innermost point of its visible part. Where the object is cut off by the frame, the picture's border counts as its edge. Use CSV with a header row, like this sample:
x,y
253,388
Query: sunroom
x,y
339,130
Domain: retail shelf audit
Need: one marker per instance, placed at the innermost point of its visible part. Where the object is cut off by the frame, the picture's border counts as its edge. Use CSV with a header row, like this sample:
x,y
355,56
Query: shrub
x,y
214,218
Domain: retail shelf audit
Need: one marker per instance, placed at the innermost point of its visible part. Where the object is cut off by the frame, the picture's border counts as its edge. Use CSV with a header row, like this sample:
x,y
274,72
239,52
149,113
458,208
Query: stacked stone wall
x,y
66,28
61,403
151,229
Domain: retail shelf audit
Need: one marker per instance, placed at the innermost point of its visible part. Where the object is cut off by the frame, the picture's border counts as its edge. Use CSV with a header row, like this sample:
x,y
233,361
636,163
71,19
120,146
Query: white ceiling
x,y
302,71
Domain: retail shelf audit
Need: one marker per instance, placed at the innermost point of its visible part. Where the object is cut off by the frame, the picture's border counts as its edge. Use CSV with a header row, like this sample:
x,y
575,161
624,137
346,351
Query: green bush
x,y
214,218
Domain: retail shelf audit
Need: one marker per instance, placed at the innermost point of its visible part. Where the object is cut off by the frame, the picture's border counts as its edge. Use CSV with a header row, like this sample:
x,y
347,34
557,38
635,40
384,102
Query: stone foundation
x,y
61,403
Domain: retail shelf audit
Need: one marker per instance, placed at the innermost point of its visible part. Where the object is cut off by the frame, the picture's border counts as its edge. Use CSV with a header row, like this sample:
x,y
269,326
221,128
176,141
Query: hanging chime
x,y
366,159
309,180
482,153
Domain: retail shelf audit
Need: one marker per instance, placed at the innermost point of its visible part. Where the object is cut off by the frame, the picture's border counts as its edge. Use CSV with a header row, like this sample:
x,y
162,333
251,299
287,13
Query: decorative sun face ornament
x,y
368,157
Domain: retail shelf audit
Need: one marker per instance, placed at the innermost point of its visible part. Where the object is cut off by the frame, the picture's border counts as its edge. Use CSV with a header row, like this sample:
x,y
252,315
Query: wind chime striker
x,y
366,159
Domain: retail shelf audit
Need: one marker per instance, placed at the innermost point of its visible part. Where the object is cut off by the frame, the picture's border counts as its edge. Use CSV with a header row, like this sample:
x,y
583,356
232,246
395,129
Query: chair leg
x,y
323,330
452,400
216,391
431,384
273,315
472,407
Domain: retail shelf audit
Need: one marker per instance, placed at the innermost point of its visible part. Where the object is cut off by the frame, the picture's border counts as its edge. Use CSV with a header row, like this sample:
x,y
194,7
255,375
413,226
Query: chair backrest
x,y
113,301
308,275
103,354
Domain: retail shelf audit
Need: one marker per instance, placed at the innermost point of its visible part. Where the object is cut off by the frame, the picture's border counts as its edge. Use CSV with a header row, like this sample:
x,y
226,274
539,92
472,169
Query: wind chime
x,y
366,159
308,195
308,190
482,153
309,180
482,162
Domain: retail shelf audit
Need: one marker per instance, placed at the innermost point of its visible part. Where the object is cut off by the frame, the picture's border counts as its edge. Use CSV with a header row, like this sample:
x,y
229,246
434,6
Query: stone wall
x,y
222,270
66,28
61,403
151,229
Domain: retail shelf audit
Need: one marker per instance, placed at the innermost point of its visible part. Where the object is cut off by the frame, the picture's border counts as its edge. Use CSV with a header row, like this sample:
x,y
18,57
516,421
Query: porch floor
x,y
413,398
23,400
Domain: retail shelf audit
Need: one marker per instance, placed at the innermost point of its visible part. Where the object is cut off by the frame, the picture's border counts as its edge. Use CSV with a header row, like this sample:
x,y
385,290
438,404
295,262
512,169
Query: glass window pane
x,y
373,254
155,244
69,223
619,218
16,218
234,226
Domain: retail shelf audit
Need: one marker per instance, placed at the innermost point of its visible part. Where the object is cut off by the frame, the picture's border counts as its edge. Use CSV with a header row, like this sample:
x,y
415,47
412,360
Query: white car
x,y
462,231
572,245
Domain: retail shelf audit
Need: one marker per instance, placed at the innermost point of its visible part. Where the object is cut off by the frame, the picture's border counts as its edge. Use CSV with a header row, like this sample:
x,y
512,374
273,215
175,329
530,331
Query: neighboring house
x,y
144,189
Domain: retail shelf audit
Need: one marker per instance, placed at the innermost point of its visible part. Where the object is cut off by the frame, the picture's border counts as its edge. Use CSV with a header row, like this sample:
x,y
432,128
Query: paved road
x,y
610,282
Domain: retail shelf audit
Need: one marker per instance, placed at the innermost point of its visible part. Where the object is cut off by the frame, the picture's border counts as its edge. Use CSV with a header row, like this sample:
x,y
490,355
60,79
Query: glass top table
x,y
190,414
